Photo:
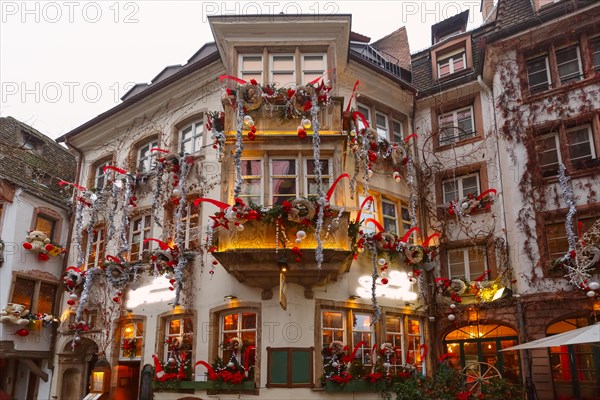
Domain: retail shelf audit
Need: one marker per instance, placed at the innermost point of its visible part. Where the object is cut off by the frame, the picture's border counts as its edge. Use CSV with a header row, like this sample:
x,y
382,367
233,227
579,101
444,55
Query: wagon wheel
x,y
479,373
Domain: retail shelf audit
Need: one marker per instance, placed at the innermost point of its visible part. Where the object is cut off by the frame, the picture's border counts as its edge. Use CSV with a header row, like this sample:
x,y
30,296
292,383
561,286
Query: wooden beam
x,y
35,369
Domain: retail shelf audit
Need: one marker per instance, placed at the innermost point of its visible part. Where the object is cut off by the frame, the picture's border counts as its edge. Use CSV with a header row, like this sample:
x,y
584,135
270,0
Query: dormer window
x,y
449,34
451,62
283,69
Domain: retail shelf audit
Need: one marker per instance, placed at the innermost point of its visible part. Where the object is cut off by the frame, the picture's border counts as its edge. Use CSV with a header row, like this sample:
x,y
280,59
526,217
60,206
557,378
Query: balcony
x,y
250,255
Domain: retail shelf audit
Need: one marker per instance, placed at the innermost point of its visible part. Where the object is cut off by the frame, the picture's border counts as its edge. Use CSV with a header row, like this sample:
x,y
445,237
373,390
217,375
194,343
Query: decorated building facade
x,y
34,229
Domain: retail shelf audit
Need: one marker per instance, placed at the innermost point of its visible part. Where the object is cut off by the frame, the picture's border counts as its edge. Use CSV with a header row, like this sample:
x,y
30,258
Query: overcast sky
x,y
64,62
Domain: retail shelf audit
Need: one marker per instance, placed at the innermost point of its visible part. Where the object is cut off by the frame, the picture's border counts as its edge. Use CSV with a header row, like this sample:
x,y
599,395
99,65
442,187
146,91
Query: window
x,y
95,254
190,138
239,325
538,74
394,334
381,121
390,216
252,187
284,180
251,67
313,66
368,212
132,337
363,331
290,367
456,125
397,134
581,144
366,112
467,263
595,50
141,229
407,224
100,177
37,296
191,223
179,336
283,70
556,234
460,187
452,62
415,340
45,224
549,155
145,157
310,182
333,326
574,367
568,62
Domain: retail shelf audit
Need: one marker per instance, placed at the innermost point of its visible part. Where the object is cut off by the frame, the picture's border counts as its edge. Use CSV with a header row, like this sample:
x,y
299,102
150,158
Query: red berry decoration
x,y
384,281
251,135
70,302
372,157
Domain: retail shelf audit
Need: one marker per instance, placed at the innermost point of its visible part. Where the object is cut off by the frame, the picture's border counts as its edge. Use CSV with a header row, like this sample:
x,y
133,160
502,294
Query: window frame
x,y
451,57
35,296
590,135
99,174
398,137
290,383
145,233
99,247
163,326
456,139
195,138
272,71
594,41
326,176
364,352
467,262
549,80
385,216
53,221
241,71
260,177
150,157
272,176
239,330
459,187
580,71
382,132
133,320
303,71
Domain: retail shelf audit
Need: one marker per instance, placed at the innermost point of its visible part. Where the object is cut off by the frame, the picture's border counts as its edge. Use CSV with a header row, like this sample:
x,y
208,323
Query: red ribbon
x,y
332,188
209,368
357,114
247,356
112,167
113,259
374,353
410,136
423,349
158,149
360,344
407,234
486,192
351,96
482,277
217,203
80,188
233,78
161,244
426,243
370,198
317,79
376,223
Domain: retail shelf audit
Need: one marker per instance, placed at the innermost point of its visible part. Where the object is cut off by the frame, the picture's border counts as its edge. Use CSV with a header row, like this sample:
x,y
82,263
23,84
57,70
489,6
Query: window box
x,y
354,386
175,386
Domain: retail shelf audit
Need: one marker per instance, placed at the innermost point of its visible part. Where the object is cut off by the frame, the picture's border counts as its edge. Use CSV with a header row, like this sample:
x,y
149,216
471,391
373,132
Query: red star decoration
x,y
220,220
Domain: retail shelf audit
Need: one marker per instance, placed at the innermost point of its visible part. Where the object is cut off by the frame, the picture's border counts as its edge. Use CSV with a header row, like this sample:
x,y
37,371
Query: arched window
x,y
574,367
482,343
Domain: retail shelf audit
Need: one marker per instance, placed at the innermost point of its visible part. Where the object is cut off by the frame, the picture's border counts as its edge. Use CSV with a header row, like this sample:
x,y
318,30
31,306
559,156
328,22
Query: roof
x,y
396,44
34,162
513,12
447,25
357,37
381,62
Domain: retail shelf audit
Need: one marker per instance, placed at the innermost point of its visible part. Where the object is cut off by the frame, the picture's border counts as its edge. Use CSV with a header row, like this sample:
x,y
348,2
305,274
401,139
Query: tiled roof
x,y
357,37
37,170
396,44
513,12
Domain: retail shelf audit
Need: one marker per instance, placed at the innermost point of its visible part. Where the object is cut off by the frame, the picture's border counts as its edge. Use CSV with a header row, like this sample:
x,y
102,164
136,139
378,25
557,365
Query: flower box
x,y
203,385
352,386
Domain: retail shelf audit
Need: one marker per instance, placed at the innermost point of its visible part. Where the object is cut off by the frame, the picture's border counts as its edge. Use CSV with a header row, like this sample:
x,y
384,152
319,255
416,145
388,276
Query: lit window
x,y
190,138
45,224
179,337
145,157
333,326
460,187
581,146
252,185
456,125
394,333
37,296
95,254
549,155
368,212
241,325
132,337
362,331
415,340
538,74
251,67
141,229
389,212
467,262
284,180
450,63
568,62
313,67
381,121
311,182
397,134
283,70
595,50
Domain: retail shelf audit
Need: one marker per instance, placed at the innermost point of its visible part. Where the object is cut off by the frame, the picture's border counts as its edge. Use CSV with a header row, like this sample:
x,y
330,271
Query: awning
x,y
588,334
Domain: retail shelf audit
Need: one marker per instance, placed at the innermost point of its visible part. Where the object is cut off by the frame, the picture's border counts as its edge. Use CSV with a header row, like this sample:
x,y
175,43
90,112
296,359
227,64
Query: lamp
x,y
230,297
282,263
100,382
354,297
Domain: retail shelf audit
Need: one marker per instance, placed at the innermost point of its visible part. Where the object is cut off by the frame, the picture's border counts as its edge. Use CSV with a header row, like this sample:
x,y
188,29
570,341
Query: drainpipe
x,y
69,238
520,309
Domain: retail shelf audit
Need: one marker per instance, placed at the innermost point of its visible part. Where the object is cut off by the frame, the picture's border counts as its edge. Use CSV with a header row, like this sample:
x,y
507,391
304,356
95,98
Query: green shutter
x,y
301,366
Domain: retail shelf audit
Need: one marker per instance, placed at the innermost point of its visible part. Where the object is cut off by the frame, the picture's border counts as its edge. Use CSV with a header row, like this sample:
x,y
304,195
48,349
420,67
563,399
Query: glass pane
x,y
595,49
393,324
537,74
251,187
284,186
579,144
556,237
46,299
230,322
251,167
444,68
174,327
128,331
568,64
459,62
283,78
450,191
312,185
248,76
45,225
362,322
470,185
388,208
252,63
188,326
284,167
249,338
314,63
140,328
310,167
332,319
476,262
414,327
456,263
285,63
248,321
390,225
23,292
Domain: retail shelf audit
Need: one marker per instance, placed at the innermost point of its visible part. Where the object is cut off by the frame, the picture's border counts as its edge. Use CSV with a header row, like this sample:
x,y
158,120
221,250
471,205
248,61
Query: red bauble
x,y
116,299
372,157
297,259
384,281
301,133
22,332
70,302
251,135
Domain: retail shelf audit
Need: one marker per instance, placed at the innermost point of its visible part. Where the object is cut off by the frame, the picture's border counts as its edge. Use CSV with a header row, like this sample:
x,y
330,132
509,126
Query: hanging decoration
x,y
472,203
